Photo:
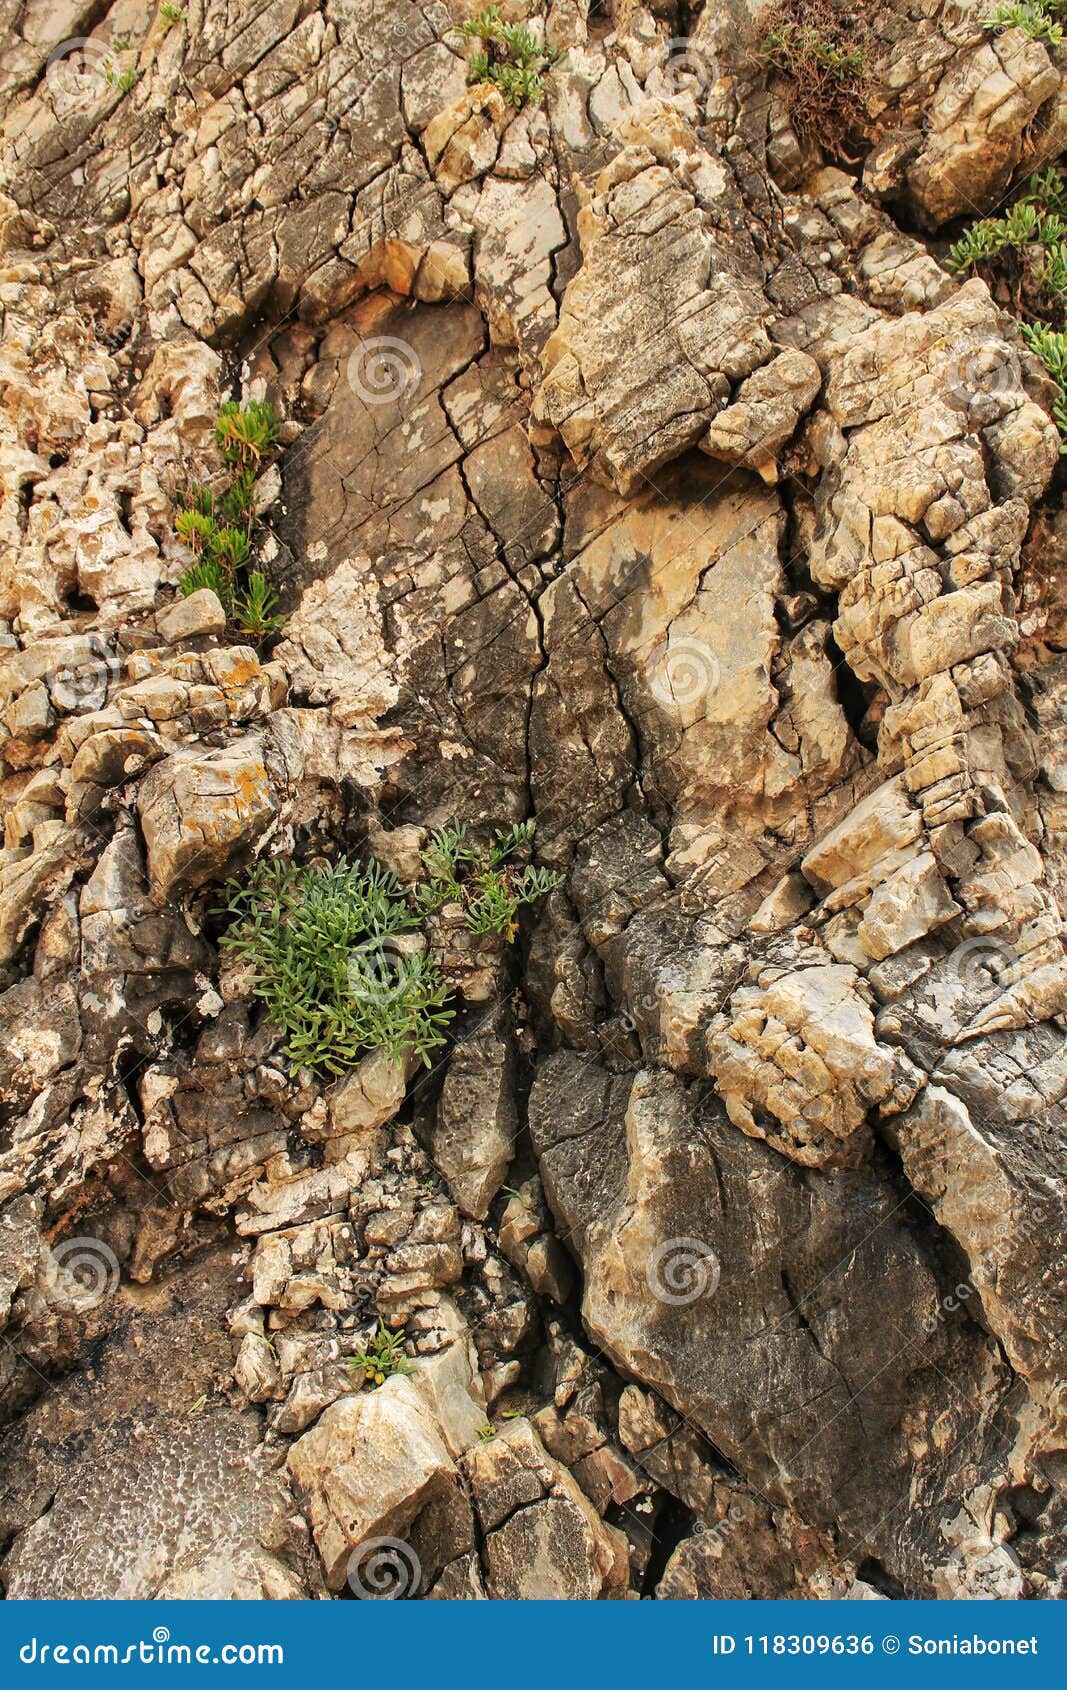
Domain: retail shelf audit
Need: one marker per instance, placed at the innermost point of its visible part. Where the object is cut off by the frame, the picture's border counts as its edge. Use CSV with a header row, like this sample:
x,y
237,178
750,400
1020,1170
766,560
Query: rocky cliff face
x,y
646,476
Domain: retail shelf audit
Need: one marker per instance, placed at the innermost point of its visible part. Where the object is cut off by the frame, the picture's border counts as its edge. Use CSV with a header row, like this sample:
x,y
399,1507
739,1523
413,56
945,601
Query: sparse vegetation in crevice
x,y
381,1358
336,955
334,965
484,878
1025,249
821,49
1039,19
113,72
1050,345
508,55
220,525
1023,255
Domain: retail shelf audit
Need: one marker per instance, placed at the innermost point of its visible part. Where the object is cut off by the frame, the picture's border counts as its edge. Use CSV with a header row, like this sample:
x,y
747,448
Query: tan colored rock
x,y
199,614
801,1053
199,808
366,1469
543,1539
912,902
763,416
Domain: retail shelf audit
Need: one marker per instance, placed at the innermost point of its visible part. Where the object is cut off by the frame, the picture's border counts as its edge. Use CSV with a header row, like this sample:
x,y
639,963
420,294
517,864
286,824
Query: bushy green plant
x,y
170,15
219,526
126,79
245,434
255,608
382,1357
483,878
1050,345
323,943
1032,232
331,952
1036,18
510,56
206,573
821,49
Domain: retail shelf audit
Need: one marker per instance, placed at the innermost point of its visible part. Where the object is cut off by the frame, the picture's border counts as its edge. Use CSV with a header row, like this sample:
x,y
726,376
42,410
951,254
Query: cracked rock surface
x,y
638,478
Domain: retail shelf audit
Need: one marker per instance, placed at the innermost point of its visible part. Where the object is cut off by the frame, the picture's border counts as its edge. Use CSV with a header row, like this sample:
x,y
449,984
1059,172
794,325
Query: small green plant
x,y
483,878
382,1358
1036,18
510,56
821,50
331,954
255,608
1026,246
519,1196
195,530
124,79
219,526
245,434
171,15
323,941
206,573
486,1433
1050,345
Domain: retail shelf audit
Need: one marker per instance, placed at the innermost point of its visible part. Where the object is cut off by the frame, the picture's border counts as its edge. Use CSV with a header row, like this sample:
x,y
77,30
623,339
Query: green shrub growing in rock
x,y
510,56
1039,19
326,943
382,1357
220,527
334,952
1050,345
1025,248
483,878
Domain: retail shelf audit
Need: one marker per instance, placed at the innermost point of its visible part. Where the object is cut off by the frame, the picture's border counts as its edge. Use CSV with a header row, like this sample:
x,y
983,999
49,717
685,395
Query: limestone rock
x,y
366,1468
474,1134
